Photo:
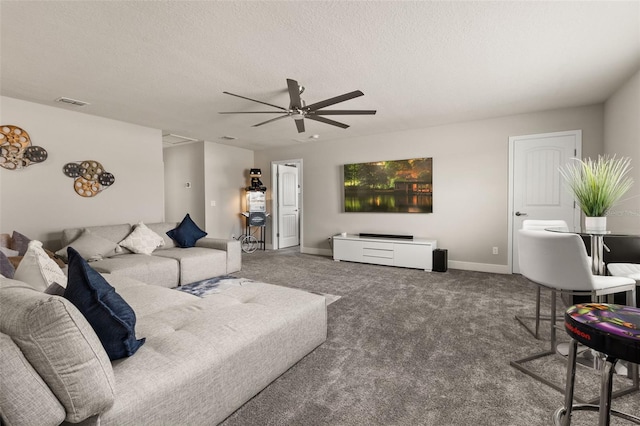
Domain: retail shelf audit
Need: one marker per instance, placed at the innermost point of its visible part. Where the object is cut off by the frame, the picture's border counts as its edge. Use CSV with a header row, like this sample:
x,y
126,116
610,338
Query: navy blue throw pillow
x,y
187,233
111,317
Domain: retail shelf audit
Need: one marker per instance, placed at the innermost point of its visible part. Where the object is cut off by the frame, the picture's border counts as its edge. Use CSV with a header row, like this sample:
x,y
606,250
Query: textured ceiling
x,y
166,64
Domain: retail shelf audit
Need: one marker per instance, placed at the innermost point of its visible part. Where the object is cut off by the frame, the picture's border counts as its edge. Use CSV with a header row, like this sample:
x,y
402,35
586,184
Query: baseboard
x,y
317,251
479,267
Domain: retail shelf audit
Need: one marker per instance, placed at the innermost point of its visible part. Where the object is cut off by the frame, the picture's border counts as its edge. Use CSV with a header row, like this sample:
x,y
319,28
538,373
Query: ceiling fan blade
x,y
327,121
272,120
332,101
294,94
254,100
343,112
252,112
300,125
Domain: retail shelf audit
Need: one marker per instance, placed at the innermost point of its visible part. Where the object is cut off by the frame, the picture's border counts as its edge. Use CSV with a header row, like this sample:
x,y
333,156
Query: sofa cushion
x,y
26,399
187,233
196,263
142,240
111,317
232,247
147,299
90,246
37,269
164,272
62,347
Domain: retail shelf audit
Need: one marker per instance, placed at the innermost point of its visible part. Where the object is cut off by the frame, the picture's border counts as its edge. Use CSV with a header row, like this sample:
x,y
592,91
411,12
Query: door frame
x,y
510,212
274,201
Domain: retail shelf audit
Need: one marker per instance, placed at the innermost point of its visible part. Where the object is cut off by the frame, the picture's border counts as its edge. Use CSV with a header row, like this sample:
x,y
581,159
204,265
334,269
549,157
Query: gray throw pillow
x,y
20,243
62,347
6,268
90,246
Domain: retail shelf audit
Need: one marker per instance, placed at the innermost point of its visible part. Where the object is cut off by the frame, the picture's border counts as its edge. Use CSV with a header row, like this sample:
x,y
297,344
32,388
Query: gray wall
x,y
622,137
470,164
470,169
184,164
39,201
226,175
218,175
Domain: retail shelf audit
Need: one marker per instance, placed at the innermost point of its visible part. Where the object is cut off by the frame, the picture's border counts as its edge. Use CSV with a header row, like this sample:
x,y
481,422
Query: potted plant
x,y
597,186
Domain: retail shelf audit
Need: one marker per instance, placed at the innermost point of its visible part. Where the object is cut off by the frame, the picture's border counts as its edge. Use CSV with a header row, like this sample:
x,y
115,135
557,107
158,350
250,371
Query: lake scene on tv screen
x,y
396,186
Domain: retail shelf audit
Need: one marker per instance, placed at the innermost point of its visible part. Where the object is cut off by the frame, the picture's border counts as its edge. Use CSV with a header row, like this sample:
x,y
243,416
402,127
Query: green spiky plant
x,y
598,184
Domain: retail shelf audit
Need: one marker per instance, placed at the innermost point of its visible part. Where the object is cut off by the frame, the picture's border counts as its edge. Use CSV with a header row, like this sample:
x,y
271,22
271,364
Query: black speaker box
x,y
440,260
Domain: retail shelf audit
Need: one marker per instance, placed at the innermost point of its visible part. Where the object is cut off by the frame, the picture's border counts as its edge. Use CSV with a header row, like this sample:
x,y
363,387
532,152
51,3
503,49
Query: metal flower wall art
x,y
16,151
89,177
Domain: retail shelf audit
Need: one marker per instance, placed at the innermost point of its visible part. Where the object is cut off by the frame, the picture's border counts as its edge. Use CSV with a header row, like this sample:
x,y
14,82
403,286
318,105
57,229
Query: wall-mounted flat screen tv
x,y
397,186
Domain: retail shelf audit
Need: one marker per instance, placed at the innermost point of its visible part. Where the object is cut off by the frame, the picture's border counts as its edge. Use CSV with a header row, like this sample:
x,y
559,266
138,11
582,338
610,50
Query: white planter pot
x,y
595,224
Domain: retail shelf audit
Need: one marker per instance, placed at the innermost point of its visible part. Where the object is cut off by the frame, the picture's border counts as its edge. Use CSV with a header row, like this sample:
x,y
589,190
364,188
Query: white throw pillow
x,y
38,270
142,240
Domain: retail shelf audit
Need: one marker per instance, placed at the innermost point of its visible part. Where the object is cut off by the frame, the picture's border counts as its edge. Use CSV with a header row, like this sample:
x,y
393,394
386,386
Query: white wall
x,y
622,137
226,174
470,165
39,201
182,164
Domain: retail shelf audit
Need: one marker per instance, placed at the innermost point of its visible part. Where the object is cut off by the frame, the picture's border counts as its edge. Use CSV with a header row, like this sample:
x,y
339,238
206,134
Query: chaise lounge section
x,y
202,359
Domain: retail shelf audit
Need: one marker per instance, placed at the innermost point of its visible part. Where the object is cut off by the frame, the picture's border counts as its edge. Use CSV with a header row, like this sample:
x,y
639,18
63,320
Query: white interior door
x,y
537,191
288,209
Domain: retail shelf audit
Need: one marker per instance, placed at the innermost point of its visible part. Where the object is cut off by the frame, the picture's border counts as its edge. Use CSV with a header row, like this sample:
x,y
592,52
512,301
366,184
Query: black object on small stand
x,y
256,214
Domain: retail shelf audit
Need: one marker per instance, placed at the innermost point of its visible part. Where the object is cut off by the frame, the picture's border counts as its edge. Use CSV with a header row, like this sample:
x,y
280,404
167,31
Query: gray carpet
x,y
408,347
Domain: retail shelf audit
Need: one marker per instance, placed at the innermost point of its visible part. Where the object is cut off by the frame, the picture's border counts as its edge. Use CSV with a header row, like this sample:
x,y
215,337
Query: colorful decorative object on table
x,y
16,151
89,176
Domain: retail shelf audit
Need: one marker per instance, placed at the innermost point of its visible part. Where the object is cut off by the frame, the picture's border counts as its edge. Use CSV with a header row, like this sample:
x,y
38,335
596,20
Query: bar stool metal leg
x,y
606,384
562,416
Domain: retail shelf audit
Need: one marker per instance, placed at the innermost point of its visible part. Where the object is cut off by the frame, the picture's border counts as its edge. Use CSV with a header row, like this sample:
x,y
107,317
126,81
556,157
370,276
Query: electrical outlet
x,y
495,250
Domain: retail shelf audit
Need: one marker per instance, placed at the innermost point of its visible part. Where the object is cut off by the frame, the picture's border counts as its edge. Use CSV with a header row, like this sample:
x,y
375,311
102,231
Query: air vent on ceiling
x,y
228,138
171,139
73,102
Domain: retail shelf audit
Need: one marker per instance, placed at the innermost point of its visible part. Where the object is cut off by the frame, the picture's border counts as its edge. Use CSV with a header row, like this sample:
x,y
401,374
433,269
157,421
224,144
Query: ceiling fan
x,y
298,110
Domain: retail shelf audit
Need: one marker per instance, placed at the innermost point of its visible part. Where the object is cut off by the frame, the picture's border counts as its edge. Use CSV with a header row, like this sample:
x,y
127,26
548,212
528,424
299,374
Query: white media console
x,y
407,253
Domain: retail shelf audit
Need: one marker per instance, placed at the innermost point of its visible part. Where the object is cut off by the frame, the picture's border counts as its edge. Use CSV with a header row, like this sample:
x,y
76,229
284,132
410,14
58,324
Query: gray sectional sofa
x,y
169,265
203,357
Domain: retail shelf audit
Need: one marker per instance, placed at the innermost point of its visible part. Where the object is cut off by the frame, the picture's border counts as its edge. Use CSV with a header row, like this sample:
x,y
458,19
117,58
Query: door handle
x,y
520,214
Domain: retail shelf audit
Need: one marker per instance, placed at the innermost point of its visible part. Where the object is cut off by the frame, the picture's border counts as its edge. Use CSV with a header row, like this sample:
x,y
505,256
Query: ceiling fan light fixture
x,y
297,114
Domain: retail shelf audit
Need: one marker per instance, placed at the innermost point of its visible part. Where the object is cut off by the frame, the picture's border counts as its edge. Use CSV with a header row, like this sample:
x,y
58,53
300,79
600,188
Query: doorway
x,y
286,181
536,189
